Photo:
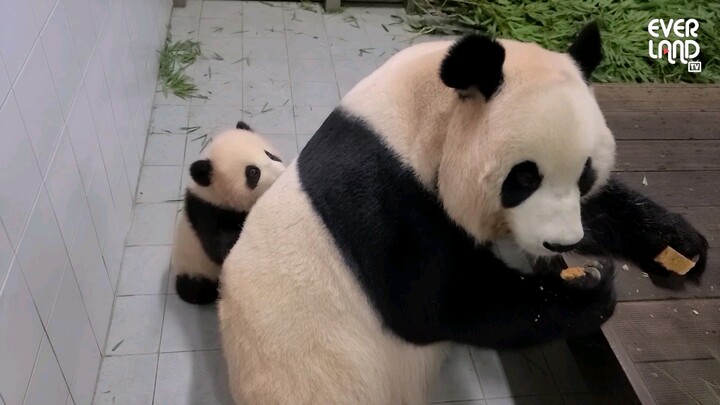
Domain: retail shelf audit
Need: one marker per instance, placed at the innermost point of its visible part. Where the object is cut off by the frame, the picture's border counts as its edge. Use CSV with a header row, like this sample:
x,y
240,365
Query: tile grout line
x,y
290,84
477,375
162,324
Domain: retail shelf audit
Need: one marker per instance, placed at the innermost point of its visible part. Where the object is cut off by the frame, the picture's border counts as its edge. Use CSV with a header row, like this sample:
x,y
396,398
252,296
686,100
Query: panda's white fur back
x,y
336,339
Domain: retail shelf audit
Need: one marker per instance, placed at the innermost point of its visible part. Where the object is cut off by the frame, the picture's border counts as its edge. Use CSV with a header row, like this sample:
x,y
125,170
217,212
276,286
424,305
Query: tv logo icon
x,y
694,67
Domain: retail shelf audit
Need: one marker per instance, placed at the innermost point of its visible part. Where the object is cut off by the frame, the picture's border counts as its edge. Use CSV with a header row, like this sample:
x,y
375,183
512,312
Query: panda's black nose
x,y
558,248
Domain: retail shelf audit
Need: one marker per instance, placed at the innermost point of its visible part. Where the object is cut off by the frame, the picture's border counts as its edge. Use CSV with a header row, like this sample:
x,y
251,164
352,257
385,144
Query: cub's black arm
x,y
217,228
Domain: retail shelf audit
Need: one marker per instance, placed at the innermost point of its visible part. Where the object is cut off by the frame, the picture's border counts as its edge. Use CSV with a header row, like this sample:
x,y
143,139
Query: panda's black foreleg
x,y
622,222
516,310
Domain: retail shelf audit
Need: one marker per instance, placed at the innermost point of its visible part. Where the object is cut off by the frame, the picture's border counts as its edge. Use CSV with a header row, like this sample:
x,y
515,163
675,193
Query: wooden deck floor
x,y
668,338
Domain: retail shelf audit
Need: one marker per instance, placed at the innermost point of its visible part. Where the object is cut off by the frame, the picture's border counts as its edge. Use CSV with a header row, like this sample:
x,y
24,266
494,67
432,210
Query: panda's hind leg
x,y
196,290
196,276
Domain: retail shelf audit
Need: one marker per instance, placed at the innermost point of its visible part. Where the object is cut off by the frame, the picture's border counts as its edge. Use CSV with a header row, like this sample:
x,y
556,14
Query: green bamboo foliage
x,y
175,57
554,23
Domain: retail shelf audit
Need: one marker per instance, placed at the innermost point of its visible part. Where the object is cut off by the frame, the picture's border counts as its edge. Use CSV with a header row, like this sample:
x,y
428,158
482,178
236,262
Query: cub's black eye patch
x,y
273,157
587,178
522,181
252,176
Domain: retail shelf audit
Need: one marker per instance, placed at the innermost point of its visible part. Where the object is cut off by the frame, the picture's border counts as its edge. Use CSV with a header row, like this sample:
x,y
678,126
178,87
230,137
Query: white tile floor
x,y
282,69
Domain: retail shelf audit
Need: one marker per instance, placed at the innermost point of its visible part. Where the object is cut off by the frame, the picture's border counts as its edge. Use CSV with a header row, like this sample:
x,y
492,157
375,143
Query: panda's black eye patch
x,y
272,157
522,181
252,176
587,178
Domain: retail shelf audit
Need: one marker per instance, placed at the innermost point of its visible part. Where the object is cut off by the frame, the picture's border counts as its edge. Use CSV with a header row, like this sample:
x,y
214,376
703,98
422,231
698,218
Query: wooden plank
x,y
634,285
658,155
642,125
629,368
683,382
669,330
704,219
677,189
658,97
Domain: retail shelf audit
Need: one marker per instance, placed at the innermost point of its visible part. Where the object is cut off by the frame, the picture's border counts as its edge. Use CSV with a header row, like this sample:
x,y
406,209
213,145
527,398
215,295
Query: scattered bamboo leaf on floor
x,y
217,29
199,137
190,129
385,28
352,21
117,345
216,56
365,50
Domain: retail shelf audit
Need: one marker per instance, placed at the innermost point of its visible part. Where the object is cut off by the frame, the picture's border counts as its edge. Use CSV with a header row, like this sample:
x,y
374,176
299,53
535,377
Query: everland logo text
x,y
683,47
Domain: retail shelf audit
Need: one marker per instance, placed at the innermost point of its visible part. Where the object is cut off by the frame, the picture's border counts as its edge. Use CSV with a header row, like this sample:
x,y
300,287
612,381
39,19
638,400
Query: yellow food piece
x,y
572,273
674,261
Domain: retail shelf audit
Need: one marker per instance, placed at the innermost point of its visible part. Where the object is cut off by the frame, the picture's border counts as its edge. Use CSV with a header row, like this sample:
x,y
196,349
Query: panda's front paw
x,y
196,290
588,276
682,237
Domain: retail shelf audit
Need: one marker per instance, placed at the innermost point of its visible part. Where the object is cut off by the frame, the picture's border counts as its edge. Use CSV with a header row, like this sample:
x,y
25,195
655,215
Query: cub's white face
x,y
237,167
519,163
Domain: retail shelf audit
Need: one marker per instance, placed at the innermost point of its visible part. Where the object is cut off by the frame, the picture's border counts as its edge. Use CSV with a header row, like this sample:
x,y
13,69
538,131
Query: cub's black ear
x,y
201,172
474,63
587,49
243,125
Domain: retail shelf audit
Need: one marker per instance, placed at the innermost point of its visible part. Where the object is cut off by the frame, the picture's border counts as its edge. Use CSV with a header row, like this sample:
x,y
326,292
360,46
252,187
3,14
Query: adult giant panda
x,y
374,247
231,174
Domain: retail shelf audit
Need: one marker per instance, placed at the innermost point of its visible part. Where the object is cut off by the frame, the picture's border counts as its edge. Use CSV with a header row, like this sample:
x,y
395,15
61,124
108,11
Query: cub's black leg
x,y
196,290
622,222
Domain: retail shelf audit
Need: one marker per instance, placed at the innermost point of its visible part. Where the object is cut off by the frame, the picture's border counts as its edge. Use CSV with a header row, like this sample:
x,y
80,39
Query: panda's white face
x,y
519,164
559,151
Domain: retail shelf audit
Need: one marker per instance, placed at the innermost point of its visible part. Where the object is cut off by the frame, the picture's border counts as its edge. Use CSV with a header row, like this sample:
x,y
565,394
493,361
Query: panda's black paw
x,y
684,238
589,275
196,290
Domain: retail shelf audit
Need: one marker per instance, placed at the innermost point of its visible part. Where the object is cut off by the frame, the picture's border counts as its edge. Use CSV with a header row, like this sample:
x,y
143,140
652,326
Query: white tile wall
x,y
77,81
39,106
20,335
42,255
47,386
4,80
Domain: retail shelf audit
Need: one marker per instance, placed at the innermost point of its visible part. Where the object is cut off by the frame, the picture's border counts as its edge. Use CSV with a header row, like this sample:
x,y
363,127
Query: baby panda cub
x,y
235,169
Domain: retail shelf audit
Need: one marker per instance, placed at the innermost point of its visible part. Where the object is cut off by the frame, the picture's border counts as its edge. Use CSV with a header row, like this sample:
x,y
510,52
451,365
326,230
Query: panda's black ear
x,y
201,172
474,63
243,125
587,49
